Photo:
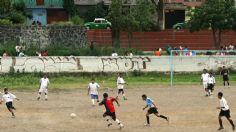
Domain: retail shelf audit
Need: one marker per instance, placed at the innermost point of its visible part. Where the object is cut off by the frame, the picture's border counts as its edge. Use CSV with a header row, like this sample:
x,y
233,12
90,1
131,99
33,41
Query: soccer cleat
x,y
46,99
147,125
168,119
38,98
125,98
221,128
233,128
121,126
108,125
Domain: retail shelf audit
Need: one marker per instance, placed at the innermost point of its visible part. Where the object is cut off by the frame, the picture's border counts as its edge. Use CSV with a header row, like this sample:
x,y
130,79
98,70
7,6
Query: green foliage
x,y
17,17
5,7
70,7
218,15
98,11
77,20
5,22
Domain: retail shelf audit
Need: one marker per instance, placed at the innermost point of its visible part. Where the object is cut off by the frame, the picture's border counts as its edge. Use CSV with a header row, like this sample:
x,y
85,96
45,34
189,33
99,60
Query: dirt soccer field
x,y
188,109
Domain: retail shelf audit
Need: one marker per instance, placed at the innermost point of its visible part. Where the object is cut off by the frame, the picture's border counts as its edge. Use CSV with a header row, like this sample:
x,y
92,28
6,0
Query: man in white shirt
x,y
224,111
204,79
8,99
93,91
120,86
43,87
114,54
210,84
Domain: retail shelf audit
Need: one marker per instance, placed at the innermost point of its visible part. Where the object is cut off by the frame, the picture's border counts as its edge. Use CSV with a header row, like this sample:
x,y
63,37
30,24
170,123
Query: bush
x,y
5,22
77,20
17,17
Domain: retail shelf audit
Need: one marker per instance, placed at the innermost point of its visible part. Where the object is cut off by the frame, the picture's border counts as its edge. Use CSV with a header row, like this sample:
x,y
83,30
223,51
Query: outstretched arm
x,y
145,107
116,101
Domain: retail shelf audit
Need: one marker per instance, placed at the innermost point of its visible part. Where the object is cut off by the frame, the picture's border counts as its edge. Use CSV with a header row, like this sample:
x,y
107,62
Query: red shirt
x,y
108,103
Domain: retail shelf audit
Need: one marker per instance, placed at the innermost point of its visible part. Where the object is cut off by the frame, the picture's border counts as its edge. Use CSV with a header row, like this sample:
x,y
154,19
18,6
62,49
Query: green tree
x,y
70,7
98,11
5,7
116,18
218,15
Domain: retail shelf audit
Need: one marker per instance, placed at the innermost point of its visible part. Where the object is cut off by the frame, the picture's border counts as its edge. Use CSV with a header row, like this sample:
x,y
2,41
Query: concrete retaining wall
x,y
114,64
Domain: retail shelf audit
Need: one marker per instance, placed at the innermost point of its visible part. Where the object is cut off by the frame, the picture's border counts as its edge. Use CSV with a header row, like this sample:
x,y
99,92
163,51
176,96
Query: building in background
x,y
45,11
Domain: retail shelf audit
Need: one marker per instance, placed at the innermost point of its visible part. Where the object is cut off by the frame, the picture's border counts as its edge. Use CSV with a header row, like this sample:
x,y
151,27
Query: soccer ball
x,y
72,115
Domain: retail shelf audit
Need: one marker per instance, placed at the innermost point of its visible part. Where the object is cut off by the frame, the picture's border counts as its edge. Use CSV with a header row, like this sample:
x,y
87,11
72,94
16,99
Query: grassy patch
x,y
64,81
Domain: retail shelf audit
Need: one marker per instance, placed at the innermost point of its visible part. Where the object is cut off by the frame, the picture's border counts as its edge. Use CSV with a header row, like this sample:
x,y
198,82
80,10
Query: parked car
x,y
98,23
179,26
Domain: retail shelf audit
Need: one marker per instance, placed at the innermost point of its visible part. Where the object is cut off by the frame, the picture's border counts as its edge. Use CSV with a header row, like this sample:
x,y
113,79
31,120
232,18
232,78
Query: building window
x,y
40,2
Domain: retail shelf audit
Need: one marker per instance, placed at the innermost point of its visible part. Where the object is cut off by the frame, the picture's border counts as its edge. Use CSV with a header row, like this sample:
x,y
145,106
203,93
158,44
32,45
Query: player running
x,y
224,111
204,79
152,109
93,91
225,75
43,87
210,84
110,110
8,99
120,86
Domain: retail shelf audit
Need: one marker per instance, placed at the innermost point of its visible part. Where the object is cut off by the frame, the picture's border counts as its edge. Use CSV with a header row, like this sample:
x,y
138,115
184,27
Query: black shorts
x,y
152,110
111,114
9,105
225,78
121,91
210,86
225,113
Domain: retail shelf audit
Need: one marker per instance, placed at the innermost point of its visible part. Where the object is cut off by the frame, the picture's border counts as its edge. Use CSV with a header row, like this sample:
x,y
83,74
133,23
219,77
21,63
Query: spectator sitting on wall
x,y
44,53
21,54
5,54
18,47
157,52
186,51
38,54
130,54
208,52
114,53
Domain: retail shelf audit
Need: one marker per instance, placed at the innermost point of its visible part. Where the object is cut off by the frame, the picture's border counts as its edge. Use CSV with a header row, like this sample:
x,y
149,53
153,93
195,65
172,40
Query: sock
x,y
228,83
46,96
93,101
232,123
220,122
108,120
12,114
148,122
117,121
124,96
164,117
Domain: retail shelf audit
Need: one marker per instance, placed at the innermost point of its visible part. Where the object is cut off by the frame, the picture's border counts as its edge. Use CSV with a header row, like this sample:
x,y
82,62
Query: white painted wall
x,y
115,64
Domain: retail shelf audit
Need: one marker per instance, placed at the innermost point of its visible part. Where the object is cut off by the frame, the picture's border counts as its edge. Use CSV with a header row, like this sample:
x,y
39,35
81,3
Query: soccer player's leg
x,y
123,94
45,90
106,116
154,111
227,115
10,108
220,120
97,98
93,97
39,93
113,116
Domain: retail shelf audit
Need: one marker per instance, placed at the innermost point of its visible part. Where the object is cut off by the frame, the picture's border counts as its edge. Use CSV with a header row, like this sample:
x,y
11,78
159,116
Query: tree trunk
x,y
216,37
116,38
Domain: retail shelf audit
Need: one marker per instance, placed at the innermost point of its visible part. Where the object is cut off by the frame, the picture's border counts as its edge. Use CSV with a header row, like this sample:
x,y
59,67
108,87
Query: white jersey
x,y
8,97
93,88
120,83
223,104
44,82
211,80
205,77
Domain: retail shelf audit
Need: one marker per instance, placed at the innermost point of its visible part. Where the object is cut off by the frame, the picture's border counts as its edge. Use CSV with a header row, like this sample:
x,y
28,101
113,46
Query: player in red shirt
x,y
110,109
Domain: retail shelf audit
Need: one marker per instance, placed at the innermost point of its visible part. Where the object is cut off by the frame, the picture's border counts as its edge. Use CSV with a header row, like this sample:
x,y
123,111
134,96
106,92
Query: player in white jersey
x,y
93,91
204,79
43,87
8,99
210,84
224,111
120,86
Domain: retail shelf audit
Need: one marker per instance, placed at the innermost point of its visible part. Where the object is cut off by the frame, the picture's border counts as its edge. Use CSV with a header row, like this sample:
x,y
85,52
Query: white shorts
x,y
43,89
120,86
204,85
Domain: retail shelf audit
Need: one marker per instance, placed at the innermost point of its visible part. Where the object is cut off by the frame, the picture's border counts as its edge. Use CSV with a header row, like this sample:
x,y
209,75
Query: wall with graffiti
x,y
114,64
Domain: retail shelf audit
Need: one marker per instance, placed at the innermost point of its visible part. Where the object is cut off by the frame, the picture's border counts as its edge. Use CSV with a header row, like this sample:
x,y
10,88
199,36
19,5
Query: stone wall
x,y
115,64
74,36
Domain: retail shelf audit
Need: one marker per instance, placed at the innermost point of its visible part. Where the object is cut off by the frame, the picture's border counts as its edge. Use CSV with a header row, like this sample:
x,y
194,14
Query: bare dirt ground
x,y
186,106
